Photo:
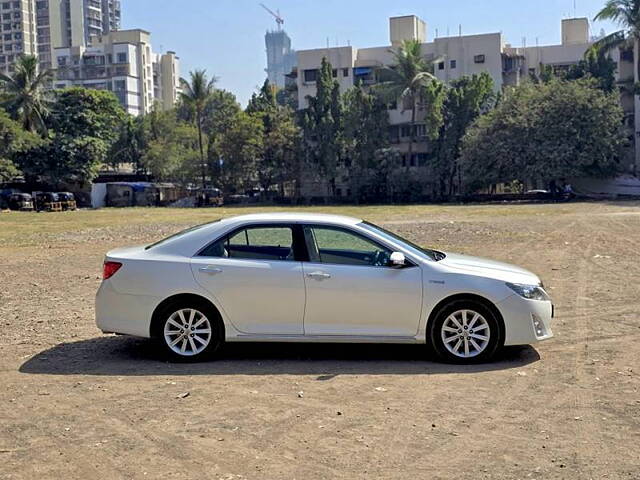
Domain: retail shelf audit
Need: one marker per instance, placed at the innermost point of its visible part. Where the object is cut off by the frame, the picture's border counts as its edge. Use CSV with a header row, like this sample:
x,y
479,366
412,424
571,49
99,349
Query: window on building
x,y
421,130
119,85
7,37
345,72
479,59
441,66
6,5
122,57
334,73
453,64
6,16
310,76
405,131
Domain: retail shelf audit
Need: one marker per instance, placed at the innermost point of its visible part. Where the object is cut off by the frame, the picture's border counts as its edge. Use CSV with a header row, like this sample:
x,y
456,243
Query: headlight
x,y
531,292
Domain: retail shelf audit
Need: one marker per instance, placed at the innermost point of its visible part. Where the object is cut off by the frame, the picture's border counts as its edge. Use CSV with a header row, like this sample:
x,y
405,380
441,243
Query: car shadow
x,y
126,356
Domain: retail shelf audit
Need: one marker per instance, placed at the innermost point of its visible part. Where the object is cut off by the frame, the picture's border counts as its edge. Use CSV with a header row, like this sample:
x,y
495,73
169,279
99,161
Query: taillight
x,y
110,268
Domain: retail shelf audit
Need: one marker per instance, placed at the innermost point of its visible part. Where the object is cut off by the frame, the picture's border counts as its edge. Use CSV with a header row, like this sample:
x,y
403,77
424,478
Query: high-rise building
x,y
66,23
17,31
281,58
122,62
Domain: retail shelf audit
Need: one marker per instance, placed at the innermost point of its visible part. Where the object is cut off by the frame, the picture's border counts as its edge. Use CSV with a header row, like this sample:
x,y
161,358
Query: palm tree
x,y
196,94
24,95
406,81
625,13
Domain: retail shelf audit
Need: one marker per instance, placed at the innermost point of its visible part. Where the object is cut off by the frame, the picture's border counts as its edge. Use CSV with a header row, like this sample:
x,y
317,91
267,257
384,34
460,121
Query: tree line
x,y
557,124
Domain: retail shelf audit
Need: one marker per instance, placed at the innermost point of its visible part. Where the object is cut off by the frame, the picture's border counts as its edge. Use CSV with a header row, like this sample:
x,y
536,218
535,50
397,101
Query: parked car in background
x,y
20,202
67,201
316,278
47,202
210,197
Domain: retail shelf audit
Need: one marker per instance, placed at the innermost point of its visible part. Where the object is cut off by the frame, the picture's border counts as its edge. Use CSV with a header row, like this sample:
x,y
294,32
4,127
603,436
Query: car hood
x,y
489,268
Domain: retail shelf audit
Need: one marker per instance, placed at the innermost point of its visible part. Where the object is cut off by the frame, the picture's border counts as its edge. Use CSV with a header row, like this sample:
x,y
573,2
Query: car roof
x,y
195,239
287,217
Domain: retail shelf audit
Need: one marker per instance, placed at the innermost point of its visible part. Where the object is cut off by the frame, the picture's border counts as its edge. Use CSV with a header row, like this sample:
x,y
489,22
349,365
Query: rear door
x,y
256,276
351,290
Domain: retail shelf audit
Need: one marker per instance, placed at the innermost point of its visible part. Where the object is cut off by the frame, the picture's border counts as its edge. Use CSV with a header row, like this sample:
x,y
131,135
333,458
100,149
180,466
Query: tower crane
x,y
276,15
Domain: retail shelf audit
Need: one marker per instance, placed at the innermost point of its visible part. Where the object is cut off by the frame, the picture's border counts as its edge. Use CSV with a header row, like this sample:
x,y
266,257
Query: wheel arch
x,y
179,298
467,297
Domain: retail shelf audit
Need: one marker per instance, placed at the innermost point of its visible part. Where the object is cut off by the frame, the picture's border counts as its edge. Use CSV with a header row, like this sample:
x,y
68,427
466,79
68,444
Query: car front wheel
x,y
189,332
466,332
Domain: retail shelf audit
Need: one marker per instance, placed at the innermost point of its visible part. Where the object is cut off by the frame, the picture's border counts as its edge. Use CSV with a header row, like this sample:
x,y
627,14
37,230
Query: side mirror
x,y
397,260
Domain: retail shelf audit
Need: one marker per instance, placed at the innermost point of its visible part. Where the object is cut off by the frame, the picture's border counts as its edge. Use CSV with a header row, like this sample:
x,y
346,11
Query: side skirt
x,y
324,339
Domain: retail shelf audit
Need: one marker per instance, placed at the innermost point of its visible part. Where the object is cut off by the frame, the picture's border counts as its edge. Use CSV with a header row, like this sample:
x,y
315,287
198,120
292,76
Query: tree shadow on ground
x,y
126,356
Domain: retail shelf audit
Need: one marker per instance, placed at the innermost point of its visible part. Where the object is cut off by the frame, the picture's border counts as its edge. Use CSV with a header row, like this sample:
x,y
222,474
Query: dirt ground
x,y
78,404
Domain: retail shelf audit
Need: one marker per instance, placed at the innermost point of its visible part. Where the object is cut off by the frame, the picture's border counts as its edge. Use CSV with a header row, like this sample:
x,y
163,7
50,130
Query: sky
x,y
226,37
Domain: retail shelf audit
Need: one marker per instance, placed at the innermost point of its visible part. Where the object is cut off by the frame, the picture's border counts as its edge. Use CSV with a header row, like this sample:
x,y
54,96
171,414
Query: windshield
x,y
179,234
431,254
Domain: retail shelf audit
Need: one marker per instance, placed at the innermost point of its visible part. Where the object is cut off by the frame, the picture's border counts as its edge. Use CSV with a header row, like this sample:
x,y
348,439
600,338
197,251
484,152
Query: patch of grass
x,y
20,229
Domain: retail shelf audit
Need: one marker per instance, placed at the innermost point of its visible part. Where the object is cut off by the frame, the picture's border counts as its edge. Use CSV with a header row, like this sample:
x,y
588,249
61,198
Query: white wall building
x,y
122,62
461,55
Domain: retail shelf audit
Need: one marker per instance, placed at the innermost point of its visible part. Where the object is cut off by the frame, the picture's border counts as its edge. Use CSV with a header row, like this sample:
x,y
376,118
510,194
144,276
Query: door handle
x,y
319,275
211,270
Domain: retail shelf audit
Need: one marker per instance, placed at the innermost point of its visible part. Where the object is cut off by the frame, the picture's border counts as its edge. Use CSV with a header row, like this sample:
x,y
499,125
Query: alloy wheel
x,y
187,332
465,333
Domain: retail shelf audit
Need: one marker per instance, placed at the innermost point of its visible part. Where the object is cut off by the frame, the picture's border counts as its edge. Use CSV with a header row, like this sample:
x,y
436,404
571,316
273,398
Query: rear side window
x,y
178,235
254,243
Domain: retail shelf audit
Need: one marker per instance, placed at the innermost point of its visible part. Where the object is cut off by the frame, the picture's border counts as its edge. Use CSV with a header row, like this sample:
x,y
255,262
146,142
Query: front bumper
x,y
526,321
122,313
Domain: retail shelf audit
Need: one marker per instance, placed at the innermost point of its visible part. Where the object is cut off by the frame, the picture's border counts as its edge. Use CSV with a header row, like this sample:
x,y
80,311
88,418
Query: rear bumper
x,y
121,313
519,315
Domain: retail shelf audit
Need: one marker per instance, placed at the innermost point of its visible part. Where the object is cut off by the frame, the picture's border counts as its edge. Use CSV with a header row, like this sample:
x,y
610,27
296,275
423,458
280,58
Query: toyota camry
x,y
316,278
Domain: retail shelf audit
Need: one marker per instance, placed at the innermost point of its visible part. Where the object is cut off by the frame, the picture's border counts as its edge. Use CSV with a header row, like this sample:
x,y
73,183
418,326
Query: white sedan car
x,y
316,278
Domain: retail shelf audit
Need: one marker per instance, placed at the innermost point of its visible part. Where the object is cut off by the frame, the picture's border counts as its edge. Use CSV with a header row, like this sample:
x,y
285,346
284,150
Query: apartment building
x,y
66,23
457,56
122,62
17,32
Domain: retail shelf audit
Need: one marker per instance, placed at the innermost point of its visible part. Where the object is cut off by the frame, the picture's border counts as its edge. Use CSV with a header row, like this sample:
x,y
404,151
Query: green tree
x,y
546,131
366,132
13,141
602,68
322,127
130,144
411,81
465,99
24,95
280,133
173,155
196,93
84,126
264,100
240,148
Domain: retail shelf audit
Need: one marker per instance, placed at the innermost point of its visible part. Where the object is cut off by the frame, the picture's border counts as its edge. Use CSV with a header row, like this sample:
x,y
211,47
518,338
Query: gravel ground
x,y
79,404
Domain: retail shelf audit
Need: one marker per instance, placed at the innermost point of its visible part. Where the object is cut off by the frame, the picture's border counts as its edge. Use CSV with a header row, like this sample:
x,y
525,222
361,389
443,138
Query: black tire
x,y
203,310
489,347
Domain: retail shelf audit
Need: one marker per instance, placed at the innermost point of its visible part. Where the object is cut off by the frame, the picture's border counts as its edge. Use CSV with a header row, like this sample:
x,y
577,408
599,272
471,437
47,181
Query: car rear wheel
x,y
188,332
466,332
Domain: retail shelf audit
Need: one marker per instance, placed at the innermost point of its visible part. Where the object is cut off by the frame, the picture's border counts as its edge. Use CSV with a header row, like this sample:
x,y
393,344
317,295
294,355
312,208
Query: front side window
x,y
342,247
254,243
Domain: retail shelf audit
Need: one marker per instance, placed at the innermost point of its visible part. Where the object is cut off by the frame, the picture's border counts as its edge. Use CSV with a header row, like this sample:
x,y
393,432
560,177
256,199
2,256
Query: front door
x,y
255,277
351,290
